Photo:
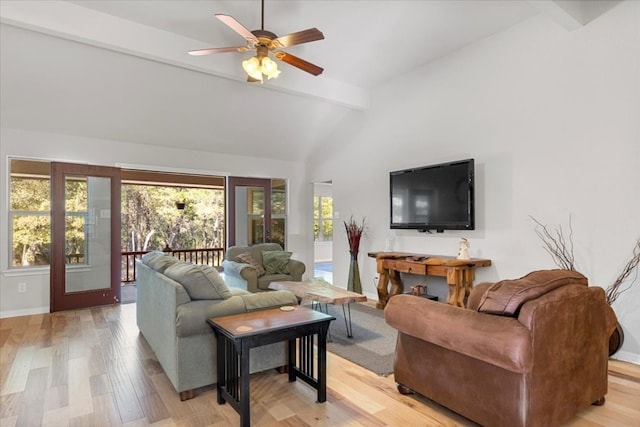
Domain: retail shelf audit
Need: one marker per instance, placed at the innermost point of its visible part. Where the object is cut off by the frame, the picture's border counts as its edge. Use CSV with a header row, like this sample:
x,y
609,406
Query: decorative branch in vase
x,y
354,230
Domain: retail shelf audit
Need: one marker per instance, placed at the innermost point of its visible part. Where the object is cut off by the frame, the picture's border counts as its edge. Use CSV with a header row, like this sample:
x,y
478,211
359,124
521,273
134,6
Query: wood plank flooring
x,y
91,367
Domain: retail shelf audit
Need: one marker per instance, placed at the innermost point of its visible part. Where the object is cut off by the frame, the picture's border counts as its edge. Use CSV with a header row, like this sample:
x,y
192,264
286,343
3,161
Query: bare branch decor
x,y
613,290
557,244
560,246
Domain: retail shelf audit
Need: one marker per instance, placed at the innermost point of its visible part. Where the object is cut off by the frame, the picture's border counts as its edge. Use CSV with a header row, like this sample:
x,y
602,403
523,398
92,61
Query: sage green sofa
x,y
252,268
174,300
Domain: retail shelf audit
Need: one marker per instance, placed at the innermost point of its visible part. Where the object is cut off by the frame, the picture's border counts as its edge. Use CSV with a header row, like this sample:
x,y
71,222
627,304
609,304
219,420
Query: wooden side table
x,y
238,334
459,273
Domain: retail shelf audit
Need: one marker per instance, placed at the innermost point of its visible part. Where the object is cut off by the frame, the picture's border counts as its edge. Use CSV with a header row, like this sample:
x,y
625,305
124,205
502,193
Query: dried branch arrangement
x,y
354,233
557,244
560,247
613,291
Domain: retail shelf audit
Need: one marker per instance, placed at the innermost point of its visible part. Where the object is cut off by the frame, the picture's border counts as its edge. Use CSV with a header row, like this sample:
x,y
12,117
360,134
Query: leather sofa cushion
x,y
505,298
202,282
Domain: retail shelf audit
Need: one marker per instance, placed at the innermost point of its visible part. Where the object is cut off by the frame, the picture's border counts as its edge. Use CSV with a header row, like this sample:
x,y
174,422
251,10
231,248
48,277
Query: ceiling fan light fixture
x,y
270,68
258,65
252,68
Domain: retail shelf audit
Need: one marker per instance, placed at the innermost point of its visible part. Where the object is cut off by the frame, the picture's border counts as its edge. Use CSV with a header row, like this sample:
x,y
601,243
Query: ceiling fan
x,y
265,42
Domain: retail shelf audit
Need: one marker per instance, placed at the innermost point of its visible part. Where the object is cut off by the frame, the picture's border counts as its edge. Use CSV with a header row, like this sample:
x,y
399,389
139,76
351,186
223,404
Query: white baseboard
x,y
24,312
627,356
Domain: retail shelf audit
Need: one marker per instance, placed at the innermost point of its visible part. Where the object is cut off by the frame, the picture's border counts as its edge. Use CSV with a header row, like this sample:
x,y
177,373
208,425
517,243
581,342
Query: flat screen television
x,y
436,197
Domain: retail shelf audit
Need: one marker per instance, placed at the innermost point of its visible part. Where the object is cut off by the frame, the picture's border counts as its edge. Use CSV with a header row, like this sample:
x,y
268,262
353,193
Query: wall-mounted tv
x,y
436,197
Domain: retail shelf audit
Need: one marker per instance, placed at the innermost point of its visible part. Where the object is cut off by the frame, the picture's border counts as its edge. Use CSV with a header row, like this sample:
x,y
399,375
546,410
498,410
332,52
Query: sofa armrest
x,y
296,269
500,341
271,299
233,267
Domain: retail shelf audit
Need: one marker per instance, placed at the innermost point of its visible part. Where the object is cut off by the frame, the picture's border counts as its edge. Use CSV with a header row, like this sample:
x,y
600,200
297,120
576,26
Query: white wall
x,y
113,153
552,119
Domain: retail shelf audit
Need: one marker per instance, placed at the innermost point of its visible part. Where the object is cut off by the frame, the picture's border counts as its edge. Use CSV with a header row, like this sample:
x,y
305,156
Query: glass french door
x,y
249,216
85,230
256,211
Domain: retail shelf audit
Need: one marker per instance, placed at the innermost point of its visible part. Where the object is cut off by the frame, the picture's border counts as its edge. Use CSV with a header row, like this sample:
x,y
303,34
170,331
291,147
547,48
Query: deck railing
x,y
207,256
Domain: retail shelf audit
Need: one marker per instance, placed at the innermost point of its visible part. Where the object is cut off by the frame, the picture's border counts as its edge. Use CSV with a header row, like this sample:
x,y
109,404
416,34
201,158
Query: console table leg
x,y
456,287
383,281
460,281
396,283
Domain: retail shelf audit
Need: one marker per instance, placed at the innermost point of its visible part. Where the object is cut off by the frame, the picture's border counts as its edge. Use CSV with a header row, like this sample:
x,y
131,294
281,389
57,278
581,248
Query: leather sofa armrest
x,y
500,341
296,269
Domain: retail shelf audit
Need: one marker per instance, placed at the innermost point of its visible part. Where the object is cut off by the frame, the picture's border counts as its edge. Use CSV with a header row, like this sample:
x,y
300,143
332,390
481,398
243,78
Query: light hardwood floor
x,y
91,367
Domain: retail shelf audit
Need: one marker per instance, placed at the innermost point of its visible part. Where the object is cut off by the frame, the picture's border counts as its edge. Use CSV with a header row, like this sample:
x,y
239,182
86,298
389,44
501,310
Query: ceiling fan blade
x,y
231,22
305,36
299,63
209,51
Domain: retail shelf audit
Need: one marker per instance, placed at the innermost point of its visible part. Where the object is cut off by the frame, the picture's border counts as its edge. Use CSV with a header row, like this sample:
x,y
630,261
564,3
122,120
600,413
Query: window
x,y
323,218
30,213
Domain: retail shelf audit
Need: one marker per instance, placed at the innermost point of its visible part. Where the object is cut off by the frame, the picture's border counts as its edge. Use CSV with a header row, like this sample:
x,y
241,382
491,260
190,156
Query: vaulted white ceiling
x,y
120,69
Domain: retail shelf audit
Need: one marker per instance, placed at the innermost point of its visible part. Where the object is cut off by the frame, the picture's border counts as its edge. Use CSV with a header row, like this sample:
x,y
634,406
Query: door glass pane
x,y
255,201
278,197
278,231
249,215
87,233
278,211
256,230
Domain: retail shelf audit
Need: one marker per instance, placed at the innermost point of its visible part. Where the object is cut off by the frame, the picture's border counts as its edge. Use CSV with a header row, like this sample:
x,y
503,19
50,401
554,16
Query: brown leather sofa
x,y
526,352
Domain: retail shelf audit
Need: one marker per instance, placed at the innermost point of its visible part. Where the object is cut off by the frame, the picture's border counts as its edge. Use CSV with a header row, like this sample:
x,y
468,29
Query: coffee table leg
x,y
348,324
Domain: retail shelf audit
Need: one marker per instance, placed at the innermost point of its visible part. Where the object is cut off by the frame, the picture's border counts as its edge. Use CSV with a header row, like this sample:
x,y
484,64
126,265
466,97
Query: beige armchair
x,y
525,352
253,267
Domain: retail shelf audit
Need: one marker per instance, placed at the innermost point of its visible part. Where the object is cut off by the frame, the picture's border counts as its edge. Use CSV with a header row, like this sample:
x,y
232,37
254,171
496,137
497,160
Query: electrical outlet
x,y
22,287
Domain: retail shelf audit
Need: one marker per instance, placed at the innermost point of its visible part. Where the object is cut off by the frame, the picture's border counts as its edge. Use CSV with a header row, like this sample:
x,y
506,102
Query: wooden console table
x,y
459,273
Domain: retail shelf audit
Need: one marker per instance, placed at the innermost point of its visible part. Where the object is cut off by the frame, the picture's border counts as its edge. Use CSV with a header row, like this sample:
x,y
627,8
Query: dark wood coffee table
x,y
238,333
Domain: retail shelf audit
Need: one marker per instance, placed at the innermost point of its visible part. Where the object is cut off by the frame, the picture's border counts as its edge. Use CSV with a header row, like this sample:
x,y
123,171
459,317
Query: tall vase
x,y
353,283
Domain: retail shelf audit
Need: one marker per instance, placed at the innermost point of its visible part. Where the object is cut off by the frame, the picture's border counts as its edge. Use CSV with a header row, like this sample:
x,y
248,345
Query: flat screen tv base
x,y
459,273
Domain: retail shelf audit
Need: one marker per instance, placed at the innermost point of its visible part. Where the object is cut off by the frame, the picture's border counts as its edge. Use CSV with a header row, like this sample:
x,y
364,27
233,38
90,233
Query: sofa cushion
x,y
247,258
158,261
276,262
507,296
200,281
